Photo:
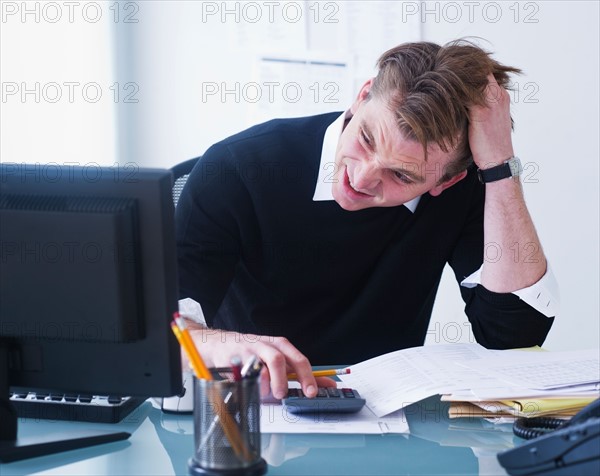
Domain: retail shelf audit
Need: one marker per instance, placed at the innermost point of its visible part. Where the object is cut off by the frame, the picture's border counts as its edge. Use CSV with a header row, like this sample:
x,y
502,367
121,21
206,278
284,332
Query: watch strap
x,y
509,168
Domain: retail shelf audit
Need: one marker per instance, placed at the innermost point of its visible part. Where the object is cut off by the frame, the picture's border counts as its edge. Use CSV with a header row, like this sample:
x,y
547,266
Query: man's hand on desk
x,y
280,357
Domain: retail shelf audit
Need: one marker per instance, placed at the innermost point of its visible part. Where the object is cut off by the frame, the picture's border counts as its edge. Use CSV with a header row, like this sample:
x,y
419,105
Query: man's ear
x,y
362,95
435,191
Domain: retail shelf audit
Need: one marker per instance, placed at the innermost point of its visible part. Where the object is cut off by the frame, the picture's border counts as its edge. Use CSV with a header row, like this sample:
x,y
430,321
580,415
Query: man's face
x,y
377,167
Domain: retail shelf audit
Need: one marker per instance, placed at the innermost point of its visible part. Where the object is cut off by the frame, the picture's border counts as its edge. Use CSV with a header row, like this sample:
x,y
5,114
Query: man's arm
x,y
278,354
509,302
209,215
513,255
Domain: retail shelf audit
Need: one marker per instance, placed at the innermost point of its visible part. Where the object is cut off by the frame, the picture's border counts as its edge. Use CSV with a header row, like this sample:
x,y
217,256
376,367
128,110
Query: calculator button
x,y
333,392
328,400
295,393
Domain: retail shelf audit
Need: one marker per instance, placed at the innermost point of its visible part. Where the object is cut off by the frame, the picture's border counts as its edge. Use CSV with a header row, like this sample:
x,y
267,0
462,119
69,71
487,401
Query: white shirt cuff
x,y
192,310
543,296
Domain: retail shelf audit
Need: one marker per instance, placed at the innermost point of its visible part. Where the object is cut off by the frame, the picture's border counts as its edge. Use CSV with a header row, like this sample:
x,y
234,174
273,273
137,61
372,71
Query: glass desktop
x,y
162,443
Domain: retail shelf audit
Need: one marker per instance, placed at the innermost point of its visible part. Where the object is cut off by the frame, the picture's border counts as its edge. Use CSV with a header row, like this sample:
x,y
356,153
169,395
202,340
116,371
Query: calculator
x,y
328,400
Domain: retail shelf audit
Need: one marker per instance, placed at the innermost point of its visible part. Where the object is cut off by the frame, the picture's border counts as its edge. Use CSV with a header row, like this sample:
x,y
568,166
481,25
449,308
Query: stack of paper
x,y
557,384
515,382
505,409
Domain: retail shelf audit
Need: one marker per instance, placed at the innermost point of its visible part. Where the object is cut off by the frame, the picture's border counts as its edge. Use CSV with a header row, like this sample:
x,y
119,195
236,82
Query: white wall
x,y
179,52
161,56
56,70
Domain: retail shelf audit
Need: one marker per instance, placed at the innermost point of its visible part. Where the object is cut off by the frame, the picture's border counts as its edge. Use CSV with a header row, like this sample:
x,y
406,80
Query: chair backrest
x,y
180,175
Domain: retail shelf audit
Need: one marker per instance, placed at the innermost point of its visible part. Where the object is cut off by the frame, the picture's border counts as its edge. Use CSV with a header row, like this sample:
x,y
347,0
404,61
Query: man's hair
x,y
430,88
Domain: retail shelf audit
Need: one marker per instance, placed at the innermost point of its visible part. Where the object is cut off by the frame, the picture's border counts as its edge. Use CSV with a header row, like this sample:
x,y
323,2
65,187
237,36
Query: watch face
x,y
515,166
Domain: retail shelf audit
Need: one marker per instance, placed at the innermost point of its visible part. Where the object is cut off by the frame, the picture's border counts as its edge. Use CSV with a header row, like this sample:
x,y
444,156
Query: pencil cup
x,y
227,428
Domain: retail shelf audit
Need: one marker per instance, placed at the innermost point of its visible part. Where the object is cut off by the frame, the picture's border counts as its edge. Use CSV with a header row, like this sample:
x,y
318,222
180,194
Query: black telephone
x,y
571,448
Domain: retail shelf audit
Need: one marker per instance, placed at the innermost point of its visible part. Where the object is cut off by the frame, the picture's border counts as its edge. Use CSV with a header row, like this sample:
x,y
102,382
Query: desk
x,y
161,444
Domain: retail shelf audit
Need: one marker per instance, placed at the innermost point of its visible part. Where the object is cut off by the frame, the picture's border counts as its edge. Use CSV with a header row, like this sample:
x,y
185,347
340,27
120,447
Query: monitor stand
x,y
14,449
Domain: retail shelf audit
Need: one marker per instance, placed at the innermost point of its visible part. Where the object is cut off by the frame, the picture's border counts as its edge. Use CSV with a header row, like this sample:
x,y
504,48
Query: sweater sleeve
x,y
498,320
207,230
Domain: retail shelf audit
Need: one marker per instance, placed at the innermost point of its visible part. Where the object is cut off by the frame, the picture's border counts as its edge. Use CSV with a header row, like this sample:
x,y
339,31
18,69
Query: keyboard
x,y
73,407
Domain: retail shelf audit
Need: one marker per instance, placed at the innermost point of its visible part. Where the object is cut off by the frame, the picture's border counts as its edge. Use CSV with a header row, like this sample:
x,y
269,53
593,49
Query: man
x,y
322,240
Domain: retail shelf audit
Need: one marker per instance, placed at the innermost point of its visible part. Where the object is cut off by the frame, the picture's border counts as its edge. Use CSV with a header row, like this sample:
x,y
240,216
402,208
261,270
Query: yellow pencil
x,y
201,371
190,349
322,373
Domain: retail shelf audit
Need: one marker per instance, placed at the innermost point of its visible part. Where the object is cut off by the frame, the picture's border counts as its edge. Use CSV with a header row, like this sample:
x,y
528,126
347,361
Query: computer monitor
x,y
88,286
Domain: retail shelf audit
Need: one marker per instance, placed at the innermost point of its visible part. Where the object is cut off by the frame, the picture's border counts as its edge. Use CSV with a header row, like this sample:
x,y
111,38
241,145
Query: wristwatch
x,y
509,168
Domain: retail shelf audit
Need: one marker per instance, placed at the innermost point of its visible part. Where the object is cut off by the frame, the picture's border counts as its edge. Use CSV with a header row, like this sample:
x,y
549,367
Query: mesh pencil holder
x,y
227,428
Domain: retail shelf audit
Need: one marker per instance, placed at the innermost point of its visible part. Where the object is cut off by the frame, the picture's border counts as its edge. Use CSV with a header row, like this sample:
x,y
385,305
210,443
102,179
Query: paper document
x,y
543,370
395,380
392,381
510,392
274,418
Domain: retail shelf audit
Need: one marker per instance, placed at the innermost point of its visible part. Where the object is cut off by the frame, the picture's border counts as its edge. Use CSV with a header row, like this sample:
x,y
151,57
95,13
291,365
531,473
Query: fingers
x,y
265,383
326,382
277,353
276,366
294,361
494,93
490,127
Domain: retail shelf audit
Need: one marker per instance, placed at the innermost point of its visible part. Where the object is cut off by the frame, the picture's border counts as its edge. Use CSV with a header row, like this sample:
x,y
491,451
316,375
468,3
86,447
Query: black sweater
x,y
262,257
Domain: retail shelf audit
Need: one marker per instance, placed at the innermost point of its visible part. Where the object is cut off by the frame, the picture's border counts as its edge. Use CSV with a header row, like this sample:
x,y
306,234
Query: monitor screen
x,y
88,280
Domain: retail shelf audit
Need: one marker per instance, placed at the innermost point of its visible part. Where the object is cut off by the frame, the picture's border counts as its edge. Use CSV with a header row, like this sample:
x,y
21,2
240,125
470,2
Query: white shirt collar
x,y
323,189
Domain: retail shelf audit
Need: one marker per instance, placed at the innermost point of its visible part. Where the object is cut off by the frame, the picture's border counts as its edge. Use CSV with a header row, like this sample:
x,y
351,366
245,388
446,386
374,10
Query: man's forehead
x,y
381,110
385,129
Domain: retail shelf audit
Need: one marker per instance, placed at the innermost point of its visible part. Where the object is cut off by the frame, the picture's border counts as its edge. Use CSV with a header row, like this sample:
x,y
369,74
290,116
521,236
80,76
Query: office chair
x,y
180,175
